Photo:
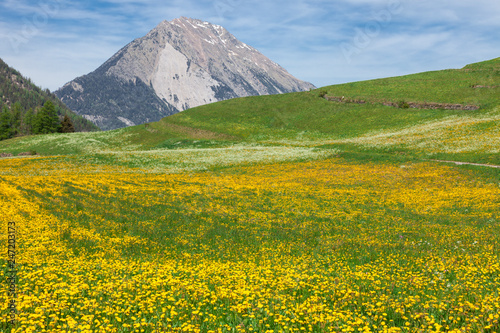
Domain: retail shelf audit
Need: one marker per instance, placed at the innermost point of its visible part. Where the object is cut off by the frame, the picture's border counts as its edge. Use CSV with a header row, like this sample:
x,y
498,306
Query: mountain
x,y
18,94
177,65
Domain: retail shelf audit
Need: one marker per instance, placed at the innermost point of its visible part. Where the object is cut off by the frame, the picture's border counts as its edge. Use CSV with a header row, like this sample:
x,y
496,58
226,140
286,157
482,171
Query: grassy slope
x,y
447,86
304,119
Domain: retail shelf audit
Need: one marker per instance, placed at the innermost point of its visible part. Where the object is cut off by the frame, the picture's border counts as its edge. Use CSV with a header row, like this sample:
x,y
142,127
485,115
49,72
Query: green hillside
x,y
284,116
307,119
287,213
476,84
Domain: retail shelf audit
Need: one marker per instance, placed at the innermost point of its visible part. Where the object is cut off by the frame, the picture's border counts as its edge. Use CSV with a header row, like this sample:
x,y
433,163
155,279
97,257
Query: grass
x,y
284,213
449,86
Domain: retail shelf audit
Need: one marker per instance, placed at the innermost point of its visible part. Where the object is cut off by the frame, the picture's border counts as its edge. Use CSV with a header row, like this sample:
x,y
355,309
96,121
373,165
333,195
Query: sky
x,y
324,42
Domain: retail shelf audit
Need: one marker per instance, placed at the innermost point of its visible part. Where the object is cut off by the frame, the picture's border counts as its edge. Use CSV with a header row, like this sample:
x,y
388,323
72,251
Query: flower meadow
x,y
330,245
454,134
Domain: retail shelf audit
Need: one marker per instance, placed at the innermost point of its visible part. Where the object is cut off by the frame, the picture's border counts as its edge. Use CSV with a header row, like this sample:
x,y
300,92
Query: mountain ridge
x,y
178,65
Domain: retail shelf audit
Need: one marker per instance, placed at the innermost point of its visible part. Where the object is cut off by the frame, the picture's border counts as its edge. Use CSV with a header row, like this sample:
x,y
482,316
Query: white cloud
x,y
304,36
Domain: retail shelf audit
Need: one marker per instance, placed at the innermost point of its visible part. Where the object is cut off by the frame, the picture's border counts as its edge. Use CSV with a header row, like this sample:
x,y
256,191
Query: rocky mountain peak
x,y
185,63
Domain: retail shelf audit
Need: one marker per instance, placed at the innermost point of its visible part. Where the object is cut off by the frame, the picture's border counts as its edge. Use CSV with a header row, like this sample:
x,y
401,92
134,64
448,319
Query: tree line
x,y
15,122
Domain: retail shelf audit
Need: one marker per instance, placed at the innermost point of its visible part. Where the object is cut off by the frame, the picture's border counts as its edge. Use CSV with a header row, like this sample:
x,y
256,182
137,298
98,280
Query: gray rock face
x,y
177,65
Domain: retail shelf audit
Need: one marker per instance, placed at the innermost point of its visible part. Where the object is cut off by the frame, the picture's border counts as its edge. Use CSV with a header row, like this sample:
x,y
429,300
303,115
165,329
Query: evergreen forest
x,y
27,109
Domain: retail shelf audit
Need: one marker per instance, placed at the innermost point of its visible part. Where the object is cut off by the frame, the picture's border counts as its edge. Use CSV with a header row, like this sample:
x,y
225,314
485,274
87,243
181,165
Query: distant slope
x,y
178,65
306,119
477,84
306,115
16,88
110,102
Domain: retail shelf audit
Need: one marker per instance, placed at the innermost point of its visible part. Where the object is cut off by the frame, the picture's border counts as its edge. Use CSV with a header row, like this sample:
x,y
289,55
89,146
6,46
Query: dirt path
x,y
468,163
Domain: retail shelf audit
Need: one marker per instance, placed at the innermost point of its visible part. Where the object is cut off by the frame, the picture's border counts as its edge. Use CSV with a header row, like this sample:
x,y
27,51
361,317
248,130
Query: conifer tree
x,y
67,125
27,124
46,120
16,118
6,131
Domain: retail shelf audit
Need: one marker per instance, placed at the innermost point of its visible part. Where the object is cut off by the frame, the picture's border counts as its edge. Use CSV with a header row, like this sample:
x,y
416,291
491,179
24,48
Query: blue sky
x,y
323,42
